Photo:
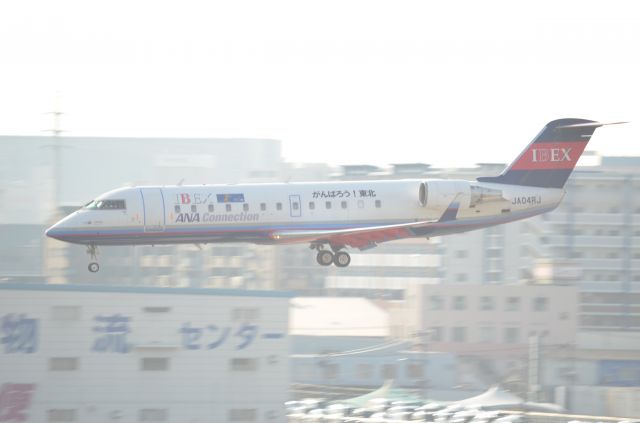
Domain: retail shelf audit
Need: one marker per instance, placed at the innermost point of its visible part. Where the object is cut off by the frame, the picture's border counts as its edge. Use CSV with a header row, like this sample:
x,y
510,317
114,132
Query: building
x,y
71,353
346,342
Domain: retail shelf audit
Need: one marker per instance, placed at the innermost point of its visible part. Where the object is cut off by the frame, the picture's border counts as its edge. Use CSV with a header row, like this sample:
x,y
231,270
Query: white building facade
x,y
71,353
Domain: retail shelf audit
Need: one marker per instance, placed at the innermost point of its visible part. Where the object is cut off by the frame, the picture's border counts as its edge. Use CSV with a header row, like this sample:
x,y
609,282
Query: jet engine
x,y
439,194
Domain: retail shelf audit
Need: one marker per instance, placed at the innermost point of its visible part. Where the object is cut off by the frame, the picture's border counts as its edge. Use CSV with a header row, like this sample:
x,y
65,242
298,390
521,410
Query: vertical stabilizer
x,y
551,157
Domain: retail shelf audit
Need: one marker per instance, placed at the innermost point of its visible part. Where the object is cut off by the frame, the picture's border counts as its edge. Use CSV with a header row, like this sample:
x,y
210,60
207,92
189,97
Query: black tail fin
x,y
550,158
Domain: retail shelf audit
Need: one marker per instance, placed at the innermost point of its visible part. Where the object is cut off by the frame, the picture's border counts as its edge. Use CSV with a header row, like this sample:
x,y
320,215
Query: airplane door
x,y
153,206
295,206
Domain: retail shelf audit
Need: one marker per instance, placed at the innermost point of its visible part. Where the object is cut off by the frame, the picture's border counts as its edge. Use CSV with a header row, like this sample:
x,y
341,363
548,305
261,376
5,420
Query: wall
x,y
103,354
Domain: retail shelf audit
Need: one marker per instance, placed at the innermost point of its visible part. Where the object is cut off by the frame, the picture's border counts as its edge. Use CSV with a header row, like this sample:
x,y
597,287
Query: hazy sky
x,y
342,81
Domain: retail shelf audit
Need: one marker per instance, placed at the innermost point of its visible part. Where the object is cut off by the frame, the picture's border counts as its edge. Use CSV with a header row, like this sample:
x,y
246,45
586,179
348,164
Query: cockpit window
x,y
106,205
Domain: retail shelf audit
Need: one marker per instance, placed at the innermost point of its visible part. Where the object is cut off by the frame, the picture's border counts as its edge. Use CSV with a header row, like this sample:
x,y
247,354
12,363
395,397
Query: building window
x,y
461,277
64,364
461,254
243,364
154,364
245,207
494,276
459,302
245,314
210,208
327,205
388,371
415,370
263,207
343,204
436,302
227,207
511,335
540,304
494,253
193,208
62,415
513,304
437,334
312,205
156,309
364,371
458,334
487,334
153,415
278,206
378,204
361,204
295,205
487,303
176,208
66,312
243,415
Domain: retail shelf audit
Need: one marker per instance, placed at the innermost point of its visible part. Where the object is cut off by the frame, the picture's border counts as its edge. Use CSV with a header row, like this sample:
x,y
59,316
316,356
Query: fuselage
x,y
255,212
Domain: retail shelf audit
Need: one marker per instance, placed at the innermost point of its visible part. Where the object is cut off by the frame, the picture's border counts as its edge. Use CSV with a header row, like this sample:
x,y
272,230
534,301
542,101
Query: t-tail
x,y
549,159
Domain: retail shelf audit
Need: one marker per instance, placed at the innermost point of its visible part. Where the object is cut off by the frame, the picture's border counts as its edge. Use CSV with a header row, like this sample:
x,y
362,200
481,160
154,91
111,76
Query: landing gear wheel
x,y
341,259
324,257
92,250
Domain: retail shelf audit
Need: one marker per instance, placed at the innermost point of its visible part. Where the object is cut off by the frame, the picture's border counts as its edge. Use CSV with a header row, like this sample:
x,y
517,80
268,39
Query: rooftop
x,y
143,290
337,316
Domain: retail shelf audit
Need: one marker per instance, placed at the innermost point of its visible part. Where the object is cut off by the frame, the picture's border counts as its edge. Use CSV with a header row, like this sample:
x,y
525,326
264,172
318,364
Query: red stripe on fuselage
x,y
550,155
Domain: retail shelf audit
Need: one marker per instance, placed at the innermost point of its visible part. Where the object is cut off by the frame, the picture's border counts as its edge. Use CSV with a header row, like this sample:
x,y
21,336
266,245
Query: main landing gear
x,y
326,257
92,250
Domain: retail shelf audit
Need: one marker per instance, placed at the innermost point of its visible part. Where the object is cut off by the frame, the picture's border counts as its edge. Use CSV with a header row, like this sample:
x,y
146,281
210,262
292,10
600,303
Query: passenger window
x,y
328,204
263,207
245,207
378,204
278,206
312,205
228,207
295,205
177,208
194,208
344,204
210,208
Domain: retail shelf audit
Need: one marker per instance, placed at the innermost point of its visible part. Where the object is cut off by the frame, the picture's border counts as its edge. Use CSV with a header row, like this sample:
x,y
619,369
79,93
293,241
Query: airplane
x,y
331,216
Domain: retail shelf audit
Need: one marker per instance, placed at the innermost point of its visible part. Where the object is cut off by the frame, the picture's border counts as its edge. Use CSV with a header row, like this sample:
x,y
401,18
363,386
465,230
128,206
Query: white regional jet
x,y
332,214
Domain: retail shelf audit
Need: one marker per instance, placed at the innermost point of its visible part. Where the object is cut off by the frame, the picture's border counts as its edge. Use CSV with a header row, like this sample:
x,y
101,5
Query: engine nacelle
x,y
438,194
480,195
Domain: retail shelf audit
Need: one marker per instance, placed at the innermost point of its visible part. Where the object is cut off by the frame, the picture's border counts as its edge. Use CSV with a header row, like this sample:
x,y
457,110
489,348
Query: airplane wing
x,y
363,237
353,237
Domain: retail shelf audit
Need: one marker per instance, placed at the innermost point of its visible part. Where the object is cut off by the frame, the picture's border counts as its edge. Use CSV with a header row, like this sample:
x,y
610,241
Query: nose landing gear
x,y
92,250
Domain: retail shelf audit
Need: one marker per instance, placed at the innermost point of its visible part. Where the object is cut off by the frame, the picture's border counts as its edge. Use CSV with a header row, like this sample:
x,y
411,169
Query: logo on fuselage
x,y
215,218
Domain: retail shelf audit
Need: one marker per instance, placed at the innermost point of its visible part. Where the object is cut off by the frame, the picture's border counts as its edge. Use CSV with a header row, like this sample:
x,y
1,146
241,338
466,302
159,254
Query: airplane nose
x,y
56,231
51,232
